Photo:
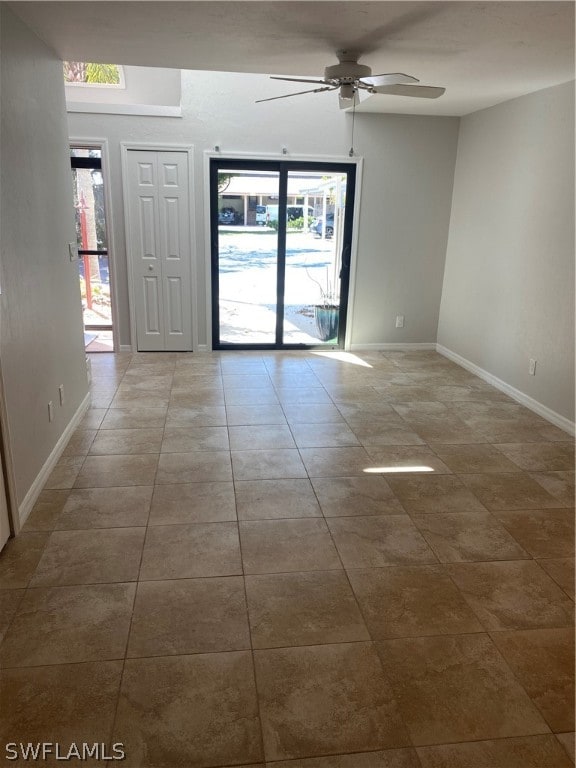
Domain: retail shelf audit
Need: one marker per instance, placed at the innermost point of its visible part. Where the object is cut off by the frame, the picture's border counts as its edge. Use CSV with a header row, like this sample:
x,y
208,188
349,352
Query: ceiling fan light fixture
x,y
347,92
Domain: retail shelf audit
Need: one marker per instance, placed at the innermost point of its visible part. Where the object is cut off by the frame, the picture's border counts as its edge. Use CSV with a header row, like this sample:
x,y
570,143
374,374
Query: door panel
x,y
171,177
175,315
151,300
171,214
146,174
145,257
247,264
313,259
175,239
148,227
160,249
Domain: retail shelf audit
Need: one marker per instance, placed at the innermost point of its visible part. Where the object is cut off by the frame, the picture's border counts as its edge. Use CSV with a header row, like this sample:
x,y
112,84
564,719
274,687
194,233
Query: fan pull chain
x,y
351,153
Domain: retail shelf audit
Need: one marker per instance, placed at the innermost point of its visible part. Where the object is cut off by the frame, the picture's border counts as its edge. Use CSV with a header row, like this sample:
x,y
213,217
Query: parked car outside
x,y
316,226
294,212
227,216
271,213
261,215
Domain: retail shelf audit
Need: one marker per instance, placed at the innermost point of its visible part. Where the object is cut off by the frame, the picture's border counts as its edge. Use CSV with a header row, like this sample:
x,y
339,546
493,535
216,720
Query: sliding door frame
x,y
283,167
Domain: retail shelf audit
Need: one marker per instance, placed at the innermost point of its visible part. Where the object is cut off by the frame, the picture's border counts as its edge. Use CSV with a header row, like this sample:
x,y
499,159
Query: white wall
x,y
41,339
408,171
408,176
509,281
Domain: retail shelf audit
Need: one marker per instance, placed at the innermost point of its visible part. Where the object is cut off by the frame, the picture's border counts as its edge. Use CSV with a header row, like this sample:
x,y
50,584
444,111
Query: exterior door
x,y
280,275
96,286
159,249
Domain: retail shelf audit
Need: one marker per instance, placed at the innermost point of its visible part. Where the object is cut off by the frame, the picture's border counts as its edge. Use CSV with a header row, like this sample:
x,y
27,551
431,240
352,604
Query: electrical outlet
x,y
532,367
399,321
61,393
50,411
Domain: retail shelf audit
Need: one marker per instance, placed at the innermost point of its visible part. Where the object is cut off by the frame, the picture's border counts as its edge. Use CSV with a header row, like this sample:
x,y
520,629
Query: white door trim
x,y
212,154
125,147
103,146
354,252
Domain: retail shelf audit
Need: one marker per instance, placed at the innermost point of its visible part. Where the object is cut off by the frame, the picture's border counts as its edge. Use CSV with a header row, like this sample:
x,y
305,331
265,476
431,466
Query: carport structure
x,y
244,193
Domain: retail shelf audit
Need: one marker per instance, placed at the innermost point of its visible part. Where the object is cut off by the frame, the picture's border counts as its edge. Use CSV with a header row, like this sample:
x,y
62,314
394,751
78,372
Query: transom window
x,y
92,75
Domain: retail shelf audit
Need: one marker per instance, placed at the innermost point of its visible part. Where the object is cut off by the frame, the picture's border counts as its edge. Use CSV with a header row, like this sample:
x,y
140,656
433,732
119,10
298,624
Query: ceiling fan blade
x,y
393,78
416,91
299,80
298,93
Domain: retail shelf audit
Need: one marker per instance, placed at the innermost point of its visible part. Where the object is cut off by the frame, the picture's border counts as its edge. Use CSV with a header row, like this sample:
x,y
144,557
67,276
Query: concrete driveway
x,y
248,285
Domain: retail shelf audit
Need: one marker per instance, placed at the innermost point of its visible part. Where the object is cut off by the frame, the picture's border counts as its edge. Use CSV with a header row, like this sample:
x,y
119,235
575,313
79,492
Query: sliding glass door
x,y
281,242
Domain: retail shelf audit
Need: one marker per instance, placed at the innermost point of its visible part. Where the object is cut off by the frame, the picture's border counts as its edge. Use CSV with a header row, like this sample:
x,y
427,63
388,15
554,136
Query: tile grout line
x,y
114,717
246,604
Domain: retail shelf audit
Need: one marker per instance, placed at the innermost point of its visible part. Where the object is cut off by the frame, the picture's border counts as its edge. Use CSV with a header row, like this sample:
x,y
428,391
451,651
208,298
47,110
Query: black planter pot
x,y
327,322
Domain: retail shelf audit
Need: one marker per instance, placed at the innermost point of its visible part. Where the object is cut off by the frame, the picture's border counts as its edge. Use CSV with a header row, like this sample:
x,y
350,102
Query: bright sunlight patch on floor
x,y
343,357
390,470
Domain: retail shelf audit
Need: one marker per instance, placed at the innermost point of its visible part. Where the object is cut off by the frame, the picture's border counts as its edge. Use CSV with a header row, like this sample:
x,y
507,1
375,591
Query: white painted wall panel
x,y
42,343
509,281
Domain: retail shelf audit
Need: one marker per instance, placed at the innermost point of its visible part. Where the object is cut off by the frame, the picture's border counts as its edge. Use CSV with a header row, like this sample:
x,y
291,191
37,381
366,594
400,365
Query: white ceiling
x,y
482,52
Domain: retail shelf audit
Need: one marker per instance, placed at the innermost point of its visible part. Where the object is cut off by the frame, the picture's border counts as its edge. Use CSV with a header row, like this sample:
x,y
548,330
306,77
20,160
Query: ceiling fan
x,y
349,78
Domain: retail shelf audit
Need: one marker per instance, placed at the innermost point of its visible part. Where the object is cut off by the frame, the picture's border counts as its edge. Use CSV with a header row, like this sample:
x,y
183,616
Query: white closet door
x,y
159,249
174,210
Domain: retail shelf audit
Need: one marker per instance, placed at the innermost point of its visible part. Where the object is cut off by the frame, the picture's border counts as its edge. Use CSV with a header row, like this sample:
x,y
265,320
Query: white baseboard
x,y
125,348
392,347
542,410
202,348
27,504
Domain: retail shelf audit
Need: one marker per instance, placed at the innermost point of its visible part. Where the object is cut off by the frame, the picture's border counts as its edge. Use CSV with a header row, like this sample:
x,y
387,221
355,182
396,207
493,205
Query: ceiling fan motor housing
x,y
347,72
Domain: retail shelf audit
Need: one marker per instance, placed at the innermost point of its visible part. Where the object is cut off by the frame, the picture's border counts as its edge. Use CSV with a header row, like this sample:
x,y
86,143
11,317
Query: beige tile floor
x,y
297,560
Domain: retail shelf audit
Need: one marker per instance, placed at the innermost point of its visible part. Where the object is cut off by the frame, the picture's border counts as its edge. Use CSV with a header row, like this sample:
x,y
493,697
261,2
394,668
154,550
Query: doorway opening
x,y
281,244
92,239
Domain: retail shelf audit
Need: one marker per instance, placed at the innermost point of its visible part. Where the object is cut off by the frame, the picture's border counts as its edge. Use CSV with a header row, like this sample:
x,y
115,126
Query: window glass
x,y
91,74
